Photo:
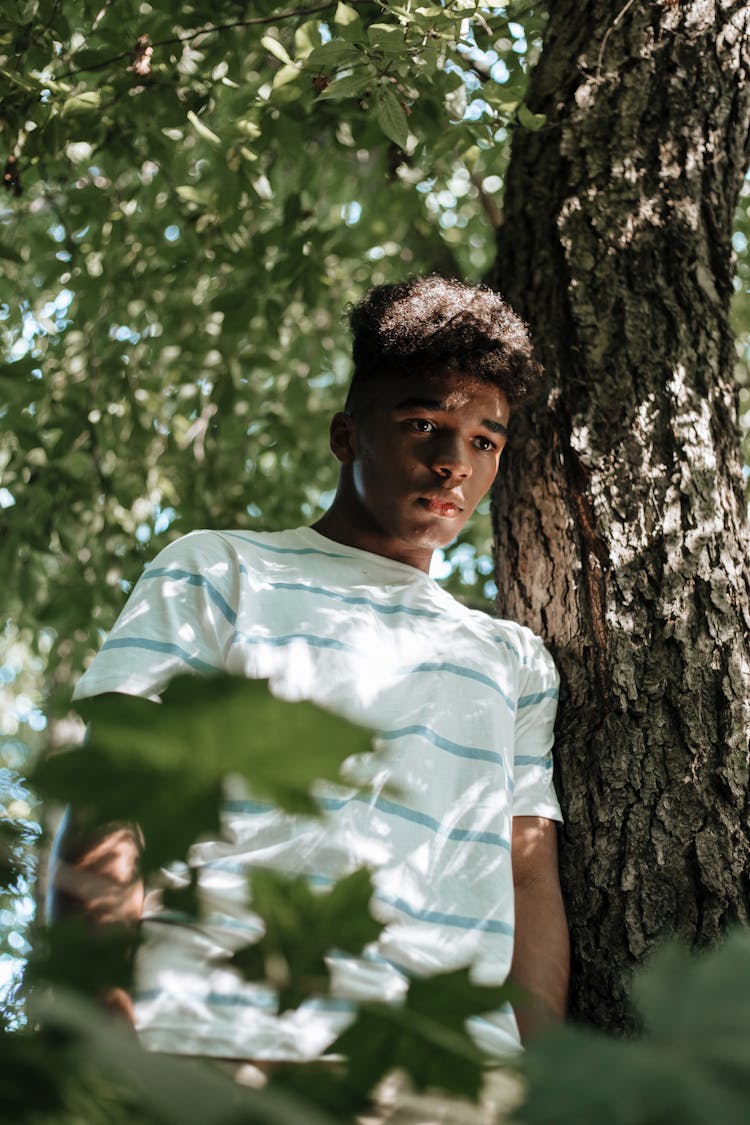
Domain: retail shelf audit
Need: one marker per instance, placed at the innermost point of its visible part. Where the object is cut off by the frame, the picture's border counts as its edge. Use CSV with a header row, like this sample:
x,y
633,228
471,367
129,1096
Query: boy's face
x,y
422,453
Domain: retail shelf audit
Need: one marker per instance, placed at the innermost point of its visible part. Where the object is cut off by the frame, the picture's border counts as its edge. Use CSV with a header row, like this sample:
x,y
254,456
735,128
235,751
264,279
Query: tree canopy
x,y
184,225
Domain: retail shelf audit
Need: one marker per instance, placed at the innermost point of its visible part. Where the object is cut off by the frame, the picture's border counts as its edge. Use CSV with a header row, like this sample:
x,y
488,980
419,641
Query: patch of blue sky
x,y
351,212
61,304
475,109
122,333
172,232
164,517
499,72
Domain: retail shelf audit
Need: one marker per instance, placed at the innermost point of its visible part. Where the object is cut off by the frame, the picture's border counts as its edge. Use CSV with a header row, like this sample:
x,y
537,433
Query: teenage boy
x,y
345,614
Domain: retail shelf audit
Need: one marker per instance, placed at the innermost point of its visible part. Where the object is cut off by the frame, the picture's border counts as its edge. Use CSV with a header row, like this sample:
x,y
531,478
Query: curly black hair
x,y
439,324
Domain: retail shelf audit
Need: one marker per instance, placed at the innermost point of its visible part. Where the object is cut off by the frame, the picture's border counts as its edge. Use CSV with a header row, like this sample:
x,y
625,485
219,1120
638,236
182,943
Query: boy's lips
x,y
441,505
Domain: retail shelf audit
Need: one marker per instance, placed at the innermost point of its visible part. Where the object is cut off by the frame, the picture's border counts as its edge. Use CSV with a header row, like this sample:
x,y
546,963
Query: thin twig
x,y
607,34
254,21
490,208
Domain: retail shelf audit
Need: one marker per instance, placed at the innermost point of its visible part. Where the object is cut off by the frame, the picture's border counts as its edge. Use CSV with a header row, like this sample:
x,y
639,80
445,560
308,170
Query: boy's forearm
x,y
541,958
96,877
541,950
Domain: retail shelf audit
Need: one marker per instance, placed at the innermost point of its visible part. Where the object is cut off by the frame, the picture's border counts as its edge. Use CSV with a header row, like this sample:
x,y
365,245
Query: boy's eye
x,y
421,425
485,444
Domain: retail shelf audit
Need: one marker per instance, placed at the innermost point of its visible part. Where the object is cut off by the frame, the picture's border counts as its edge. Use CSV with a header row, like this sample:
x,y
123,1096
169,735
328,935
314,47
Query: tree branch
x,y
490,208
254,21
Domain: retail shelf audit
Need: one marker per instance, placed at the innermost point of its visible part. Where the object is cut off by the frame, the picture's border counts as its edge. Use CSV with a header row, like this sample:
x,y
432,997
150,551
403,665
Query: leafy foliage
x,y
73,955
302,928
191,224
692,1064
162,764
88,1068
202,730
426,1036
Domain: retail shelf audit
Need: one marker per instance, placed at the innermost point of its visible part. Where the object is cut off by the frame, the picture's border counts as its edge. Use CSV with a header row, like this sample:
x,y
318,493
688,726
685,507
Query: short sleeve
x,y
536,707
179,618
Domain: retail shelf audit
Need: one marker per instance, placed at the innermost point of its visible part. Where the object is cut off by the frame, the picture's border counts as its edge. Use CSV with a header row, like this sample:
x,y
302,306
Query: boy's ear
x,y
343,438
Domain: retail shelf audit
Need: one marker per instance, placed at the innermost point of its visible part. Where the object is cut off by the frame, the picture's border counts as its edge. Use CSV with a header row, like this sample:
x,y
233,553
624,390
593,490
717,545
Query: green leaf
x,y
176,1091
277,49
202,130
345,15
390,116
86,58
284,75
201,196
337,53
306,39
692,1064
352,86
425,1037
303,927
76,955
84,102
162,764
10,254
109,785
183,900
529,120
384,37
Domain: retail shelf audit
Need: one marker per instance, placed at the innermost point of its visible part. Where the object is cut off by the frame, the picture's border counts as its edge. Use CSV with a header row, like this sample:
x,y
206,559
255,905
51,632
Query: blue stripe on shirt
x,y
475,753
533,760
289,638
356,600
390,808
460,670
284,550
245,999
460,921
537,697
511,648
195,580
161,646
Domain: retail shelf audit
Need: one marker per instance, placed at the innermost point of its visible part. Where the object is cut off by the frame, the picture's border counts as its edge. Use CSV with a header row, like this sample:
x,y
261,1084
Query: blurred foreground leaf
x,y
162,765
425,1036
302,927
171,1090
691,1066
73,954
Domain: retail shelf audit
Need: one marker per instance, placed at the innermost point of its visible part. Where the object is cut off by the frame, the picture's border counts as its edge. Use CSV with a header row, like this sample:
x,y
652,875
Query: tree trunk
x,y
620,515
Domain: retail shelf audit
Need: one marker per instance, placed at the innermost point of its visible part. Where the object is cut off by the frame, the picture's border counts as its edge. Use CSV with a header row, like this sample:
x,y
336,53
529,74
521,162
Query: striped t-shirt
x,y
464,706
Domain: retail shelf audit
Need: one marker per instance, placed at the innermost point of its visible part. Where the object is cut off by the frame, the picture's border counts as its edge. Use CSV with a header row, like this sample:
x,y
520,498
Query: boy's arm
x,y
541,956
96,877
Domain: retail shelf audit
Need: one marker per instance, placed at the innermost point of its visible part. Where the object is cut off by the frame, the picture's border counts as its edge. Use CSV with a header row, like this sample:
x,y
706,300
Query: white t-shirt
x,y
464,705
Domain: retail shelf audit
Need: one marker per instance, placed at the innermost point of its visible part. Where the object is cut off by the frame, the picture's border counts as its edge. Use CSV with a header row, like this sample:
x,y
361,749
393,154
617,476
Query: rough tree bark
x,y
620,513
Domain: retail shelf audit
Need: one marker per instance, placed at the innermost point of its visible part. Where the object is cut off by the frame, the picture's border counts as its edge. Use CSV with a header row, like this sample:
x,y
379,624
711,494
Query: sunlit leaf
x,y
390,116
